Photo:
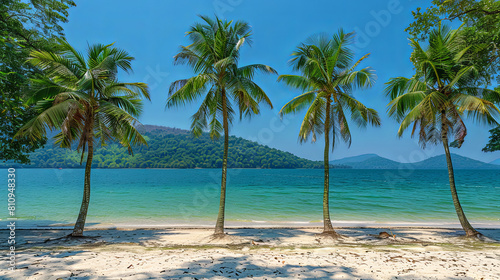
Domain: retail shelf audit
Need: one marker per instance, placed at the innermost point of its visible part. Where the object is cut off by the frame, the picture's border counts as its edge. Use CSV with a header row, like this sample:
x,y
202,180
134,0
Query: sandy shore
x,y
279,253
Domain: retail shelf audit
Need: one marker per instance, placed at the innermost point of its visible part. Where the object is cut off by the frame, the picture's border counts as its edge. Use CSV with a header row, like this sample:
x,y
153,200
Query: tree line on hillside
x,y
166,150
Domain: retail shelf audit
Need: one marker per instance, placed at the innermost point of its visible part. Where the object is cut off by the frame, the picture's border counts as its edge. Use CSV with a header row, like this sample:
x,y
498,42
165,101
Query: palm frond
x,y
51,118
298,103
213,55
313,122
80,96
477,108
185,91
295,81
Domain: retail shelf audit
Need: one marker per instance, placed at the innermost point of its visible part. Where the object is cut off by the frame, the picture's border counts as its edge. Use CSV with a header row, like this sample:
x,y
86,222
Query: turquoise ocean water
x,y
170,197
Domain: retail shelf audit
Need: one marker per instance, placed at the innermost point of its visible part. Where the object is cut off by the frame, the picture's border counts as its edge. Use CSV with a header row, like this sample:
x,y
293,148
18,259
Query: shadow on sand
x,y
166,253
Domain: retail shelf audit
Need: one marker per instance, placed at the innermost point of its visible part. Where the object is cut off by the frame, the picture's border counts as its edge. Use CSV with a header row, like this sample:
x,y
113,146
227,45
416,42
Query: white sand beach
x,y
254,253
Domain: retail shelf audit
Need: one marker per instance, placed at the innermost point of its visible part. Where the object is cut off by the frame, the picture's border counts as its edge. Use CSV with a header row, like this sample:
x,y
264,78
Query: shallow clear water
x,y
254,197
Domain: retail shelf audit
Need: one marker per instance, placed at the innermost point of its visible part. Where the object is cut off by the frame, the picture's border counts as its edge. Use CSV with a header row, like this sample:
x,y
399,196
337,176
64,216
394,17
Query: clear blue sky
x,y
153,30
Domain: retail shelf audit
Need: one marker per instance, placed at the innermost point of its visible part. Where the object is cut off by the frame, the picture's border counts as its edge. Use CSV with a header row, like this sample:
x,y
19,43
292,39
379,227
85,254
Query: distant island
x,y
173,148
496,162
373,161
177,148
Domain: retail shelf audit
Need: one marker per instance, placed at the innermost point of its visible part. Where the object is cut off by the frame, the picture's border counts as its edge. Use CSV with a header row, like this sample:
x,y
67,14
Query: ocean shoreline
x,y
260,227
136,224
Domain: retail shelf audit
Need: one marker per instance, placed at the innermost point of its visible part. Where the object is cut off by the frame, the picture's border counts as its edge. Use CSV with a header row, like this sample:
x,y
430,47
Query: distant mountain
x,y
172,148
459,162
371,161
368,161
496,162
355,159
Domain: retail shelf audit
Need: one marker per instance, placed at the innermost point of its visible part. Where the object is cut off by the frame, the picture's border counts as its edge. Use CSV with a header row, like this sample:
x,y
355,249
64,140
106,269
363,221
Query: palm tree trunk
x,y
328,228
82,216
469,230
219,226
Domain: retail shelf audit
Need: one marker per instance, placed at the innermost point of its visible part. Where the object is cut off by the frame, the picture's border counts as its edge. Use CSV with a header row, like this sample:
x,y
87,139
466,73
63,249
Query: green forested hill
x,y
174,148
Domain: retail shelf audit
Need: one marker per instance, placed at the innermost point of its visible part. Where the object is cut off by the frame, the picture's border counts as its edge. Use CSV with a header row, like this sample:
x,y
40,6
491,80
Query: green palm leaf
x,y
327,78
213,55
437,98
81,96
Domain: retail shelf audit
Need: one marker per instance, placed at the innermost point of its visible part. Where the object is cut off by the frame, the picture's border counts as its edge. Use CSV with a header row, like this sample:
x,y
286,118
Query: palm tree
x,y
213,55
81,97
327,79
439,96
